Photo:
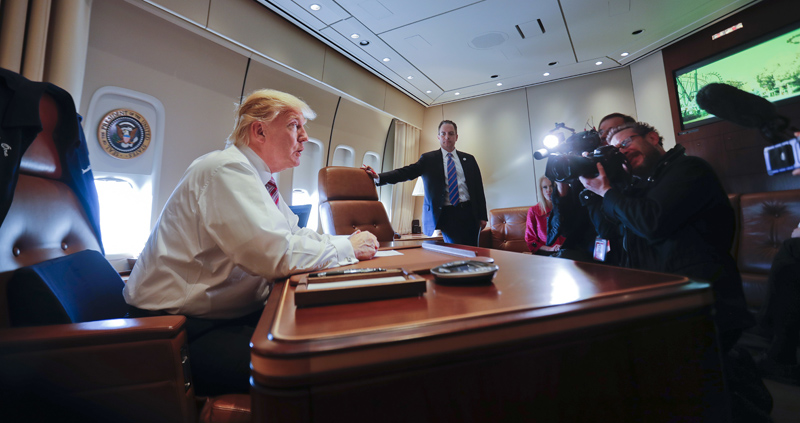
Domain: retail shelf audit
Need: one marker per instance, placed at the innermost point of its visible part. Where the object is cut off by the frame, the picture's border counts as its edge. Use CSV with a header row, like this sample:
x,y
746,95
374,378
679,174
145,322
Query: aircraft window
x,y
343,156
124,216
304,180
303,208
372,160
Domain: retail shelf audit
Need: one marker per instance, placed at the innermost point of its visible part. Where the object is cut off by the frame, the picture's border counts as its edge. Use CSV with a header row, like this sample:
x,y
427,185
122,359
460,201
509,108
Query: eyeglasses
x,y
444,134
626,142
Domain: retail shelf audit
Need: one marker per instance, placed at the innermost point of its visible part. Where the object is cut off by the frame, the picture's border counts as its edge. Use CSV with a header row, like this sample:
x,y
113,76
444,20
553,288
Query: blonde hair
x,y
543,201
264,106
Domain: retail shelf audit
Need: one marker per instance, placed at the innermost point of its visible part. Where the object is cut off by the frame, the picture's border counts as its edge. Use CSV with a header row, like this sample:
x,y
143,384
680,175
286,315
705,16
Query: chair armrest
x,y
15,340
485,237
107,370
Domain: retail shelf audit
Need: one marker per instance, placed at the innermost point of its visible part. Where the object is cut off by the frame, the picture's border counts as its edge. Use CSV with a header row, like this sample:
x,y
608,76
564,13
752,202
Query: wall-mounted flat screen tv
x,y
768,67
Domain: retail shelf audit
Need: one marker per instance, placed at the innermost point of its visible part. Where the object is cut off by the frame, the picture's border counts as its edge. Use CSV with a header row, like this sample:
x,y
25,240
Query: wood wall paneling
x,y
708,148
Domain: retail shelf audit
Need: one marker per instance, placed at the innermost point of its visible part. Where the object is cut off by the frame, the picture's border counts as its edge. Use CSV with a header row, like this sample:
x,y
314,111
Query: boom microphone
x,y
743,108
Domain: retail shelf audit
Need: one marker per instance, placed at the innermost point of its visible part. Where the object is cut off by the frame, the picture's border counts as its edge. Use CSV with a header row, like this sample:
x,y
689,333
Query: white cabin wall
x,y
359,128
503,130
254,27
652,99
578,102
198,91
495,129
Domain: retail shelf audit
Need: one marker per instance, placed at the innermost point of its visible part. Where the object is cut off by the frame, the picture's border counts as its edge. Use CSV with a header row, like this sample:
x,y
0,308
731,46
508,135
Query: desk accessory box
x,y
392,283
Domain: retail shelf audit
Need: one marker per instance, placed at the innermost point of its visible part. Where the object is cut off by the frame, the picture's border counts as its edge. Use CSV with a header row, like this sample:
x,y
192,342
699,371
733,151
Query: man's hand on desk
x,y
364,244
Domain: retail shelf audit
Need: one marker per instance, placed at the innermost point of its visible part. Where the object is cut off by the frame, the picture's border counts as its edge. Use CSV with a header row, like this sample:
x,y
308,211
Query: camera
x,y
577,143
782,157
567,161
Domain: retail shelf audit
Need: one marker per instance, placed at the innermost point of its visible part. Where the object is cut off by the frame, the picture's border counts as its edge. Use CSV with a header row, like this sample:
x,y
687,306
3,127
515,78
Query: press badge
x,y
601,247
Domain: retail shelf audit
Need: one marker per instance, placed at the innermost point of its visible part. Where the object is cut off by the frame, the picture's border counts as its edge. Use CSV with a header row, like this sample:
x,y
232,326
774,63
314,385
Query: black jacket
x,y
571,220
431,167
679,220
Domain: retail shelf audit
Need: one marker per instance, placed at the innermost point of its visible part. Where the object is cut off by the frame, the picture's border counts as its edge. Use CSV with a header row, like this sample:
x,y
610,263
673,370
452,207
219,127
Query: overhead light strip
x,y
727,31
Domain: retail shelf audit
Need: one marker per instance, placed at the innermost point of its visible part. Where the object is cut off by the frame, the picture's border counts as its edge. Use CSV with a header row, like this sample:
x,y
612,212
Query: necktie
x,y
452,180
272,187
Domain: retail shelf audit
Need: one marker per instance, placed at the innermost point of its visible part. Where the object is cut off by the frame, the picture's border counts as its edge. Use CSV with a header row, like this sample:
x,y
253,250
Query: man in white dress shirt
x,y
225,235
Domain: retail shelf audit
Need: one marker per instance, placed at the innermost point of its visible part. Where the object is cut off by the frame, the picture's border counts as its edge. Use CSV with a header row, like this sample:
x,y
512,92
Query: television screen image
x,y
769,68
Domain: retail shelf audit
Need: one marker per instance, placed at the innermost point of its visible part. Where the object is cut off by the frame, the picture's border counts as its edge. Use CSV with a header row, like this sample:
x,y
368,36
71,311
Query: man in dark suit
x,y
454,198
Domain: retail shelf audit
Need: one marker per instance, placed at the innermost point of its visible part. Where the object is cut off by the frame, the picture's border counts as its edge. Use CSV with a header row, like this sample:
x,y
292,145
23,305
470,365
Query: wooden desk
x,y
549,340
420,237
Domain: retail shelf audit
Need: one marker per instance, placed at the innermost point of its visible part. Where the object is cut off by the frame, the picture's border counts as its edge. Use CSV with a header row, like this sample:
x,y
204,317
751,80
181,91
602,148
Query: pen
x,y
347,272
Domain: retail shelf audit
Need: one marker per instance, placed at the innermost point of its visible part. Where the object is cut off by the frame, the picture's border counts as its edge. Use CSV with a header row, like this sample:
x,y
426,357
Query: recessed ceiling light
x,y
546,74
409,77
624,54
315,7
458,93
354,36
364,42
499,84
386,59
428,92
598,63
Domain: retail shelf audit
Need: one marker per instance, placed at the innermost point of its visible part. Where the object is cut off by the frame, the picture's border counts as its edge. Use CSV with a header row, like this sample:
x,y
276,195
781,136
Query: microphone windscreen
x,y
735,105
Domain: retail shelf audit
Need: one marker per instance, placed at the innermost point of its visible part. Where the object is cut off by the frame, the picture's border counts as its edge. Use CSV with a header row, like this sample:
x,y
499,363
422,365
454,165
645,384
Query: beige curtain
x,y
45,40
406,151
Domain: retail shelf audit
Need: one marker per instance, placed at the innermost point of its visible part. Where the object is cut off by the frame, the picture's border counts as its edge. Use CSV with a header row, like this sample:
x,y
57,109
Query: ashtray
x,y
464,272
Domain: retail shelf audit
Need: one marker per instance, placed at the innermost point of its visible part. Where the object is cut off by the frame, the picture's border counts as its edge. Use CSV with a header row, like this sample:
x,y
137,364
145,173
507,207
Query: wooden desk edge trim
x,y
278,335
308,366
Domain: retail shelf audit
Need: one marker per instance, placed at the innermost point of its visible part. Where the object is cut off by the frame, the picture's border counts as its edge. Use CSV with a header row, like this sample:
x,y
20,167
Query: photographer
x,y
675,218
571,220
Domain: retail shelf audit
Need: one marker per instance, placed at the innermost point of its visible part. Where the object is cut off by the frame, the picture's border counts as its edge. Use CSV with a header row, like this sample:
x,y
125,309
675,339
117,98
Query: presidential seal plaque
x,y
123,134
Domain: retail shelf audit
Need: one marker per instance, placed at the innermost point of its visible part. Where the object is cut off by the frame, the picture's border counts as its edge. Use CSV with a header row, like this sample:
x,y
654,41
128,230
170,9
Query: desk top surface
x,y
526,287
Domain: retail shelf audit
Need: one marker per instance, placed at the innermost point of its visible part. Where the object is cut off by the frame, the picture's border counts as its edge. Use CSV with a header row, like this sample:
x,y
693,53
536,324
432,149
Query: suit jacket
x,y
431,167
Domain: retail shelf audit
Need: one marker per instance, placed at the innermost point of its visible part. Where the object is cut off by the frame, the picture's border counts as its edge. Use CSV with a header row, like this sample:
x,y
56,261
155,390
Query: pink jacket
x,y
536,229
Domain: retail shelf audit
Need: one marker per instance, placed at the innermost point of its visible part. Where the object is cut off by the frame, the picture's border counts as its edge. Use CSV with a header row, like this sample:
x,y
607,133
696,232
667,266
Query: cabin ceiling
x,y
442,51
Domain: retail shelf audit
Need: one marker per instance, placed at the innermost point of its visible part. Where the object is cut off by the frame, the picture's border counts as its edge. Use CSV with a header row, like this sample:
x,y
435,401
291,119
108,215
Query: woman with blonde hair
x,y
536,227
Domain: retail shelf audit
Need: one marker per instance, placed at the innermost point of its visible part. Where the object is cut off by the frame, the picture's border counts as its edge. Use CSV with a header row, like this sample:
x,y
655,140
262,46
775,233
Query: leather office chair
x,y
348,201
69,355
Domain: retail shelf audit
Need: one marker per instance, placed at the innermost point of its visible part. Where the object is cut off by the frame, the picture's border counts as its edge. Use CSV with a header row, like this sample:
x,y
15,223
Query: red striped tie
x,y
272,187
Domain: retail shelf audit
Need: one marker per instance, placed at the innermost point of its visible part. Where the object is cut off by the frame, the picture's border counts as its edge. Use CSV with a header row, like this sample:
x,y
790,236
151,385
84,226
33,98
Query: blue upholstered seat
x,y
80,287
302,211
